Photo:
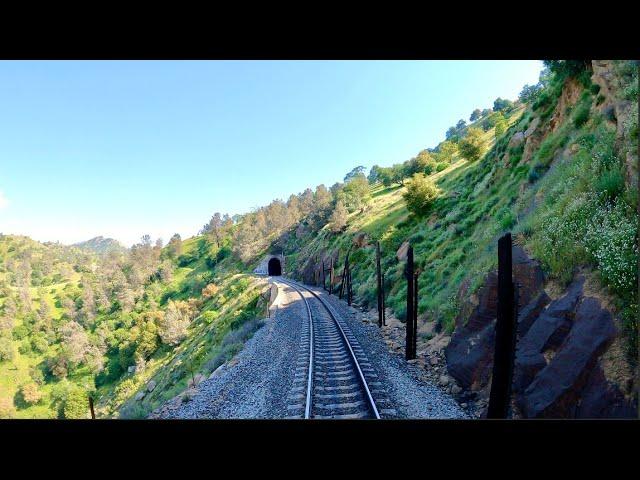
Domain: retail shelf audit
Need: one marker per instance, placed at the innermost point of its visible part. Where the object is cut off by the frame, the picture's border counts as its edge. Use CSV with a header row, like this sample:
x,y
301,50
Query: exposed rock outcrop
x,y
560,344
616,108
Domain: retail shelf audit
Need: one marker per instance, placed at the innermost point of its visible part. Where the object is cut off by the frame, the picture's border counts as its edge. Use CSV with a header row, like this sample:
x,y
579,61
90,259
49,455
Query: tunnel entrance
x,y
275,269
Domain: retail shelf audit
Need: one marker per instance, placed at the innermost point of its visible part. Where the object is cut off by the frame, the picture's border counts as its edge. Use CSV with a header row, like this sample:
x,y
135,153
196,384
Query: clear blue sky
x,y
121,149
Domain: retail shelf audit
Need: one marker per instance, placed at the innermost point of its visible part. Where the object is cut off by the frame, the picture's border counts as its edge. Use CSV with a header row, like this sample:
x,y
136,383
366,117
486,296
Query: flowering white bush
x,y
610,239
593,231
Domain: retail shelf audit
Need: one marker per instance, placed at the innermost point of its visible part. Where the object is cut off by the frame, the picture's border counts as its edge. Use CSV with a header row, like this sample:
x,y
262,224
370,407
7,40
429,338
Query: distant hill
x,y
101,245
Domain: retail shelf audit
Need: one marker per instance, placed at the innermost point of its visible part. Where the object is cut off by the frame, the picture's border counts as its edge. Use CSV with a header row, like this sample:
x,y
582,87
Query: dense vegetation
x,y
74,324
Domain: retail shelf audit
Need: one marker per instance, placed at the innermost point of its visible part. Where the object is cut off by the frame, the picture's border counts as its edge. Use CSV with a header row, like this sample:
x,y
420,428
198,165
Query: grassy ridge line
x,y
445,259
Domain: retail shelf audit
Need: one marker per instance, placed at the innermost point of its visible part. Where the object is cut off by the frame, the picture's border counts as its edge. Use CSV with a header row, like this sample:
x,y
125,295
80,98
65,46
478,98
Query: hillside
x,y
136,327
76,323
562,178
100,245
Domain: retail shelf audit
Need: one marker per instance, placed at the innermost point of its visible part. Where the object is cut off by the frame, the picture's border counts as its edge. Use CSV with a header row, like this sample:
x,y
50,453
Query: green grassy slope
x,y
225,318
567,203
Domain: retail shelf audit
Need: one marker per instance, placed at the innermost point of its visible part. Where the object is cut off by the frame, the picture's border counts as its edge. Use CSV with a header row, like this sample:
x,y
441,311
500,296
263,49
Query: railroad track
x,y
333,377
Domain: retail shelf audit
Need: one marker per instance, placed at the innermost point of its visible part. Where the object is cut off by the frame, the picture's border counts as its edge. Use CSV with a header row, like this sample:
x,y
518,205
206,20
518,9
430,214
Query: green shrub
x,y
20,332
550,146
506,219
210,316
473,145
501,127
581,113
76,404
6,349
535,173
610,184
420,194
133,411
441,166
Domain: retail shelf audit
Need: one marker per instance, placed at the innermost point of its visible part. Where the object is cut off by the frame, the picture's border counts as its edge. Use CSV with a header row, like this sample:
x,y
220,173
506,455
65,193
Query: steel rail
x,y
329,309
307,409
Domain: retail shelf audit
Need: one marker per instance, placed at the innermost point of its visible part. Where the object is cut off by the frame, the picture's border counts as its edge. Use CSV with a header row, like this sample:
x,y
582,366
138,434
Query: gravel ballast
x,y
256,383
411,396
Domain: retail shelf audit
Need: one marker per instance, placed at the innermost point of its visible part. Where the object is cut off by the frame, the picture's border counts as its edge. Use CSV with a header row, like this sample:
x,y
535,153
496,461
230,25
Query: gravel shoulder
x,y
256,382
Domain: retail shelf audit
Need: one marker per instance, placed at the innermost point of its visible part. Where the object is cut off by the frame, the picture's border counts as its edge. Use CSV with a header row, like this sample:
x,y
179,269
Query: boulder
x,y
527,274
360,240
401,254
516,140
556,390
470,352
602,399
532,127
531,311
151,385
547,332
139,396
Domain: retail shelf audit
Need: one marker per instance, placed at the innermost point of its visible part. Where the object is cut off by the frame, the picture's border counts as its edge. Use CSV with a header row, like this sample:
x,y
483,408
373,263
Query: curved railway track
x,y
333,377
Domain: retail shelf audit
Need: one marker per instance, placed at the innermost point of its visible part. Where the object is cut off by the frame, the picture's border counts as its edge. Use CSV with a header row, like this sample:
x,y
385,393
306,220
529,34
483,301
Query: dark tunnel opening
x,y
275,269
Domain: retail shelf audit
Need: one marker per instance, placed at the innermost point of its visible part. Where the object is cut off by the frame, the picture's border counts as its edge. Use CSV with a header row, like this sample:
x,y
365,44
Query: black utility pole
x,y
331,277
324,282
414,346
344,274
349,286
409,338
379,277
384,315
93,413
500,396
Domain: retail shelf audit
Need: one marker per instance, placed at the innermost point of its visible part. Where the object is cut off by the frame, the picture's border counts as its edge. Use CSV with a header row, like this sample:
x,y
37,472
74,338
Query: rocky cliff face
x,y
568,362
617,110
559,360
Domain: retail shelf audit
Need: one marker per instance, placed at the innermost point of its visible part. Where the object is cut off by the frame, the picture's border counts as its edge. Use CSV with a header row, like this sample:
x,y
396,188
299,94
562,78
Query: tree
x,y
6,349
529,93
357,171
501,104
385,175
209,291
424,162
420,194
7,410
77,404
174,247
321,208
563,69
214,228
30,393
338,219
473,145
451,133
486,112
172,327
501,126
461,124
357,193
398,173
374,175
446,151
475,115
